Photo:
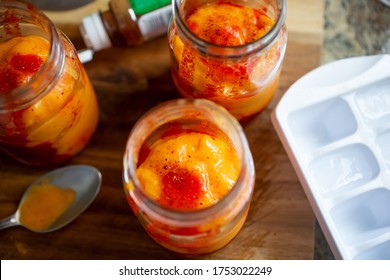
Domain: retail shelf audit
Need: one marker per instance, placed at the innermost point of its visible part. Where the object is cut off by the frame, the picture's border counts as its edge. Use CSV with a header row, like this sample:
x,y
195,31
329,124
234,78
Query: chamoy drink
x,y
48,108
189,175
229,52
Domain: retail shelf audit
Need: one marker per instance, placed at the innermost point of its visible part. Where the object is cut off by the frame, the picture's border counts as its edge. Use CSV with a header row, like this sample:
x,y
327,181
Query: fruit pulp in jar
x,y
58,125
186,169
245,85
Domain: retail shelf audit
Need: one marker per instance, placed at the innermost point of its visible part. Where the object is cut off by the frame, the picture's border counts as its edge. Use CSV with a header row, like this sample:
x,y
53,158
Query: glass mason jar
x,y
196,230
48,108
218,58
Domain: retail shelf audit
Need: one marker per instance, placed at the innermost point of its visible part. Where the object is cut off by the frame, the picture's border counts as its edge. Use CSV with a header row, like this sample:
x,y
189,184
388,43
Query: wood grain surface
x,y
128,82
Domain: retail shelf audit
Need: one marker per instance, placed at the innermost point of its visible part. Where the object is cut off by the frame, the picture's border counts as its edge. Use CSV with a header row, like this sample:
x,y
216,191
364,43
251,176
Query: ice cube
x,y
348,166
374,101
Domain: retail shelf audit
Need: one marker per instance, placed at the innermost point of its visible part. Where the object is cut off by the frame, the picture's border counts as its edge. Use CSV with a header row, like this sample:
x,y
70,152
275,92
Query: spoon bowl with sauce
x,y
55,199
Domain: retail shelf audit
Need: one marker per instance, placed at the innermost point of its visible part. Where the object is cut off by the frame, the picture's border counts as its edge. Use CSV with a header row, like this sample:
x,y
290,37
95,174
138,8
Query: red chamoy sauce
x,y
181,189
20,69
26,63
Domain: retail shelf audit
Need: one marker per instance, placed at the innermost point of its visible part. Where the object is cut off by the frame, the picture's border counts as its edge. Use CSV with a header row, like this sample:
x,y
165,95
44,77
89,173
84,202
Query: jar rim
x,y
212,49
188,217
44,79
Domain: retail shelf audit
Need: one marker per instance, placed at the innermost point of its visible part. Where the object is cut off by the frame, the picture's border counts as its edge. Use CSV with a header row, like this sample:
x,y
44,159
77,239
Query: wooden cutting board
x,y
129,81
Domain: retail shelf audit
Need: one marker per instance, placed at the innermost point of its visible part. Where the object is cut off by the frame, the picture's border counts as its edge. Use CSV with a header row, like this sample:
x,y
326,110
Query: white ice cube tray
x,y
334,123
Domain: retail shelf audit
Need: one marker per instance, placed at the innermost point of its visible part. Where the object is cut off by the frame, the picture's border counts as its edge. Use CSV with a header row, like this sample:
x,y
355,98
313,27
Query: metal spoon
x,y
83,179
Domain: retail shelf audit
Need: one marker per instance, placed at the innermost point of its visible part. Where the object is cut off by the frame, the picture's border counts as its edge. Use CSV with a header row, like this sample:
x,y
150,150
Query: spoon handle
x,y
10,221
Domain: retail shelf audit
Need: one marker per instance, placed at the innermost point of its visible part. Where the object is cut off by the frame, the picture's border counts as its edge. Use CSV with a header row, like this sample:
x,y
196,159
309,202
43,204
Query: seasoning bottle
x,y
126,23
176,216
48,107
228,51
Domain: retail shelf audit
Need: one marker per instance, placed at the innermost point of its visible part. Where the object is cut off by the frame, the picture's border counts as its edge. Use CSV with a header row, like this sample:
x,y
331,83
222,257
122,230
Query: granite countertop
x,y
351,28
355,28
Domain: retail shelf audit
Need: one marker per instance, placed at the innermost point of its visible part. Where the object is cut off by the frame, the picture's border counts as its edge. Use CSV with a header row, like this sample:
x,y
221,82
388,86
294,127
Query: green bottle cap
x,y
141,7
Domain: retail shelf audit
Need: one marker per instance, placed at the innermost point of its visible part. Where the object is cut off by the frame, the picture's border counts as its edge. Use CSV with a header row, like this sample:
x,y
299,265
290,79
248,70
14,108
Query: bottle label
x,y
155,23
141,7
